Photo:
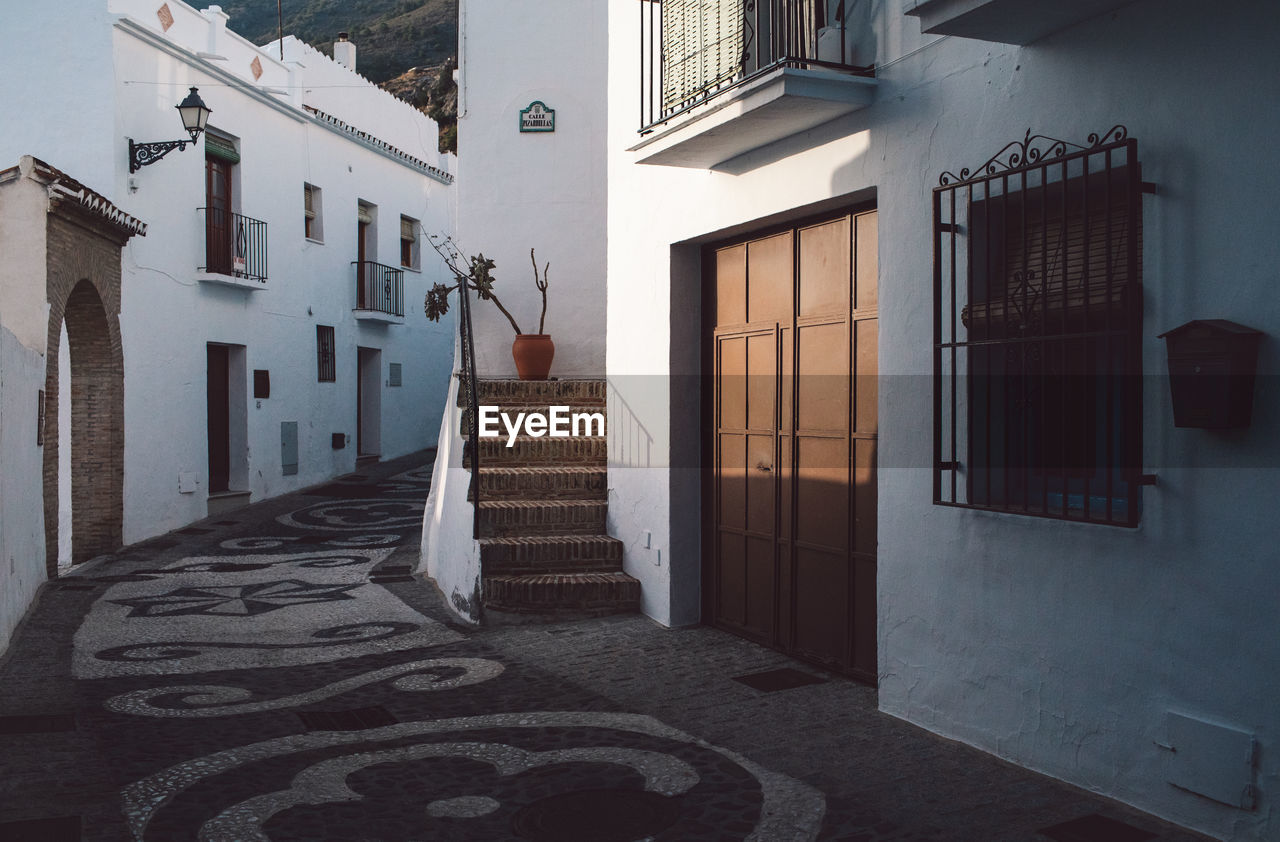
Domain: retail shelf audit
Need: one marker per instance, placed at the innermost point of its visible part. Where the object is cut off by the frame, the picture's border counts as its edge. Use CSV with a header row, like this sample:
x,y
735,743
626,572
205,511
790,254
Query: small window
x,y
326,355
393,374
313,220
408,242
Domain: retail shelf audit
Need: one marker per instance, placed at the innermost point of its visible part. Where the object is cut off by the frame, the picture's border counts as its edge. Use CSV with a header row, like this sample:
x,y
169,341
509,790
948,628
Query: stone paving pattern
x,y
186,661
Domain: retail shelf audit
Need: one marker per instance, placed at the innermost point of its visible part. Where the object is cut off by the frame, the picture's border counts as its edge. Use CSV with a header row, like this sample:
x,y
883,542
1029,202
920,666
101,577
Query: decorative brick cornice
x,y
378,143
66,191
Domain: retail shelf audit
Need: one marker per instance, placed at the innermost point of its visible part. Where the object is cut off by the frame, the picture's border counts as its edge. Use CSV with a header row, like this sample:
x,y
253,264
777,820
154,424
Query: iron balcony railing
x,y
234,245
379,288
691,50
469,389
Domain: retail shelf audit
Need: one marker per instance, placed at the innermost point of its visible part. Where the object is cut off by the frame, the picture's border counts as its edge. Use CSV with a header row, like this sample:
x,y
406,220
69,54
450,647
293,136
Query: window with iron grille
x,y
326,355
1037,331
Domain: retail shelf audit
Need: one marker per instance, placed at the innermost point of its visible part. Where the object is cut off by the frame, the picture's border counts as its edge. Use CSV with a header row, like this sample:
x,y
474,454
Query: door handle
x,y
760,466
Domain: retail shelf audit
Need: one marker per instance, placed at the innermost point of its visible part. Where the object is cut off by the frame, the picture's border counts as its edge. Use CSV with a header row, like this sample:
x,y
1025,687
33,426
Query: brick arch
x,y
84,292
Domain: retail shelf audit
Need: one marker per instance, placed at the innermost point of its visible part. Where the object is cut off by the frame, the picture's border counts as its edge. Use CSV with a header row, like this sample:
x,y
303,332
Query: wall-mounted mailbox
x,y
339,441
1212,363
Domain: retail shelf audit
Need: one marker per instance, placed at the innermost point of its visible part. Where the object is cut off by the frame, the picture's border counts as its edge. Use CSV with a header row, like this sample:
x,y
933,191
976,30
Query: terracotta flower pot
x,y
533,353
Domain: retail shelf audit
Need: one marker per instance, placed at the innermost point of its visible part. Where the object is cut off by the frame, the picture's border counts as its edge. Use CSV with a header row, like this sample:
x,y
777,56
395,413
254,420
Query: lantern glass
x,y
194,113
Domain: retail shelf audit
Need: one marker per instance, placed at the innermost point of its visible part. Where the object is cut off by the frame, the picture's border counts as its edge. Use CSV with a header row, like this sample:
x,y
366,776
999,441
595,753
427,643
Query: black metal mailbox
x,y
1212,365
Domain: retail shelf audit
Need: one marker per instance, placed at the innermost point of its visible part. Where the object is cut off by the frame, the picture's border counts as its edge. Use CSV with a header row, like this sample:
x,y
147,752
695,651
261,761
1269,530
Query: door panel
x,y
793,508
219,409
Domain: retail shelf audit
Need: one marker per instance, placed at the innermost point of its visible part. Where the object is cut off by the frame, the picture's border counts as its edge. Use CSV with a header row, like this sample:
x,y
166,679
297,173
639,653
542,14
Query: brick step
x,y
602,593
545,392
541,452
543,483
550,554
515,518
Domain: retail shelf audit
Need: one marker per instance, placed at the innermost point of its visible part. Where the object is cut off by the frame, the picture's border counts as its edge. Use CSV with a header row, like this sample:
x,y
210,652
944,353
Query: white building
x,y
953,495
270,321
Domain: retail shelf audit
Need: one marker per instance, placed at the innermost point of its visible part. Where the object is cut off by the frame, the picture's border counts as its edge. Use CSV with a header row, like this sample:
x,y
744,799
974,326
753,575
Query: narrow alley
x,y
279,672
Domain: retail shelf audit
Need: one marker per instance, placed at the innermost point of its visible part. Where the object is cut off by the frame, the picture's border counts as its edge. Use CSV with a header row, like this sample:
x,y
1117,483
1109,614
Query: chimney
x,y
344,52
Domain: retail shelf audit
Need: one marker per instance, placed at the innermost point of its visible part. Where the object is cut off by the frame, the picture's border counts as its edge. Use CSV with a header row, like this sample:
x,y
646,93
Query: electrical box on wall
x,y
1212,760
339,441
1212,363
261,384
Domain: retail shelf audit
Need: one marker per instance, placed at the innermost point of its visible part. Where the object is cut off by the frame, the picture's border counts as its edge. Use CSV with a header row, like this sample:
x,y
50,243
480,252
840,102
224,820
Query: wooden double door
x,y
790,558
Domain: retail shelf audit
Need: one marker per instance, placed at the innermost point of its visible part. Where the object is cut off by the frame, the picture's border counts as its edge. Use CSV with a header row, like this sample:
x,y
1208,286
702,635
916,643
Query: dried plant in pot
x,y
532,352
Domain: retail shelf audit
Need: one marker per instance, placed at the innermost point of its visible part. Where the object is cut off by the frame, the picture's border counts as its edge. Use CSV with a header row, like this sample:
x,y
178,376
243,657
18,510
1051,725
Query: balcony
x,y
1006,21
725,77
379,293
235,249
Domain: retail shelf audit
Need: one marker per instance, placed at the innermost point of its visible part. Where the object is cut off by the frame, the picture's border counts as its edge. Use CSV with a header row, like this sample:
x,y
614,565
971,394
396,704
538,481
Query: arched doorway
x,y
96,419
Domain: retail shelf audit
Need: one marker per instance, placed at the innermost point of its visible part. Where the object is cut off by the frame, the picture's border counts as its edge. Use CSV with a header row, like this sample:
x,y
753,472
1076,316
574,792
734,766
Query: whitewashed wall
x,y
545,191
122,81
1058,646
23,335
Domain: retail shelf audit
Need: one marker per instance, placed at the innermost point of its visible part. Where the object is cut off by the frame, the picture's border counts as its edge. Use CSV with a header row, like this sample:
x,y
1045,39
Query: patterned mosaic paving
x,y
284,678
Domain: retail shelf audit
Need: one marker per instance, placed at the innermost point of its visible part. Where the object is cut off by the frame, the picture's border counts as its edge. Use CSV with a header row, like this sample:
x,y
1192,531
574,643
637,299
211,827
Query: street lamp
x,y
194,114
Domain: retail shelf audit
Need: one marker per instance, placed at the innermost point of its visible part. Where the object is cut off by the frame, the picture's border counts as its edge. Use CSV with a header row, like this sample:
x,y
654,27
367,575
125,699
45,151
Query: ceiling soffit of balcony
x,y
779,104
1006,21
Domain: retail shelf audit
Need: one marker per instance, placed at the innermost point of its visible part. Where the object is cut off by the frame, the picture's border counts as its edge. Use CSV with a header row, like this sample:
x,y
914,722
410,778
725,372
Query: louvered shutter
x,y
701,47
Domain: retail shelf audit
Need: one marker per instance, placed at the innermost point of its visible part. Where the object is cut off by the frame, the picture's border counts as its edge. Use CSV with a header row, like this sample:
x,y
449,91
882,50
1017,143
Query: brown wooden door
x,y
792,505
219,399
218,218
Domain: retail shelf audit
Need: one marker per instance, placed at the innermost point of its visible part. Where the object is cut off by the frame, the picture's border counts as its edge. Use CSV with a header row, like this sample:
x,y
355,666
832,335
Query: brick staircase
x,y
543,547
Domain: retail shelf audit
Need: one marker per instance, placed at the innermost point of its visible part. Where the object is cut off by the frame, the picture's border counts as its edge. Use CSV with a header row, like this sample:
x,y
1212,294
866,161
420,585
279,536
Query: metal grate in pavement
x,y
61,829
781,679
194,530
1096,828
151,546
356,719
380,580
37,723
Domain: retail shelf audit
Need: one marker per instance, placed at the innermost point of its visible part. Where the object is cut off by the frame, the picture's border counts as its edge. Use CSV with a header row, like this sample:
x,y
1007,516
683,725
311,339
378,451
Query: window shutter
x,y
407,229
701,46
364,214
310,201
221,147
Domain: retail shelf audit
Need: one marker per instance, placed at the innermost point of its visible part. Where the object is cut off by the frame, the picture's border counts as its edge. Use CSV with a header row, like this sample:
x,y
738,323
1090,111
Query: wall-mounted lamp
x,y
195,115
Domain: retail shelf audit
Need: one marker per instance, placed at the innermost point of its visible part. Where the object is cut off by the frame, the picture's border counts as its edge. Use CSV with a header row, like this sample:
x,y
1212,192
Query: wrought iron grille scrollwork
x,y
1032,150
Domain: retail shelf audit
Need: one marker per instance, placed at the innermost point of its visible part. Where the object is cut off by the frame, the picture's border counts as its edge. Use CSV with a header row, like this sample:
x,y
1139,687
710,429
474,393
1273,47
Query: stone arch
x,y
84,292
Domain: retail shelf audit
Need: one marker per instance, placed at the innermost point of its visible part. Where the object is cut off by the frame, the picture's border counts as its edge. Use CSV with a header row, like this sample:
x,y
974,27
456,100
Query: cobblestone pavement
x,y
278,673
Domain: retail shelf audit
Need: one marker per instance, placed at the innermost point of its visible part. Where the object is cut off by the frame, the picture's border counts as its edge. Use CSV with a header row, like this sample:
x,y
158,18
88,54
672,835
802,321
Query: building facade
x,y
269,324
887,284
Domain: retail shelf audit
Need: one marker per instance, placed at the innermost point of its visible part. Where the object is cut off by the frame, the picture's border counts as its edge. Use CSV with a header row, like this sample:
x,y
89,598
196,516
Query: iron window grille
x,y
394,375
691,50
326,355
1037,364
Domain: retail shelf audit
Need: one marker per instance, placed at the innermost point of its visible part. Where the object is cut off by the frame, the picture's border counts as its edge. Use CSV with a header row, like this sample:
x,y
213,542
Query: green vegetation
x,y
391,36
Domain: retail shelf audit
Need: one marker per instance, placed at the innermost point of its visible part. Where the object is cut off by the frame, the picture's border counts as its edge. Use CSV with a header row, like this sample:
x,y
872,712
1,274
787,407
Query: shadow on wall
x,y
630,443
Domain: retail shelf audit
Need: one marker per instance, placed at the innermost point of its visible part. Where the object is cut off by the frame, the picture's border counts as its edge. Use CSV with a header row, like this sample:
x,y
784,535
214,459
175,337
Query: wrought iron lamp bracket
x,y
141,154
1033,149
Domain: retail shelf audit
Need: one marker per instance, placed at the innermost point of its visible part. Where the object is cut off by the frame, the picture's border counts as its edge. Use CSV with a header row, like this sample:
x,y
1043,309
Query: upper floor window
x,y
408,242
1038,328
366,232
312,213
